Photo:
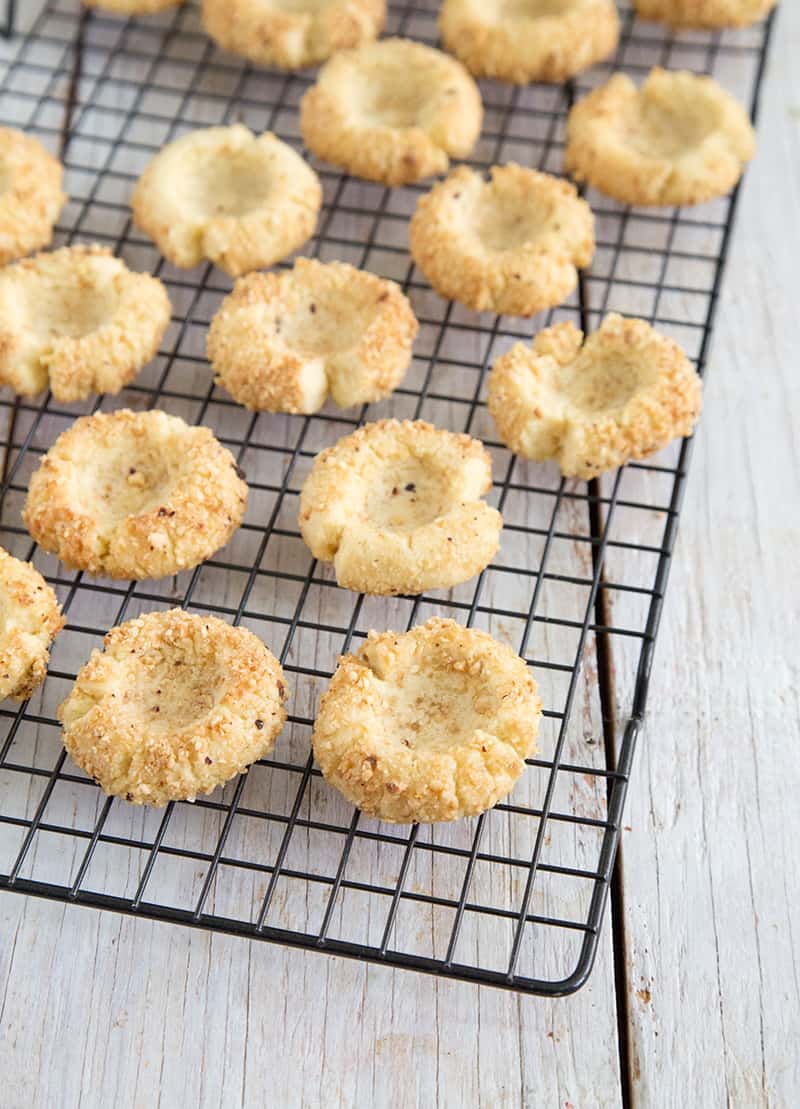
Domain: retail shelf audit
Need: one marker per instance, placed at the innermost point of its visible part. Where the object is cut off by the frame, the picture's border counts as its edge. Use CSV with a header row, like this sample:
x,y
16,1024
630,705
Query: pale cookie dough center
x,y
131,480
175,694
667,132
232,183
535,9
321,325
601,385
502,226
68,311
389,95
407,496
433,711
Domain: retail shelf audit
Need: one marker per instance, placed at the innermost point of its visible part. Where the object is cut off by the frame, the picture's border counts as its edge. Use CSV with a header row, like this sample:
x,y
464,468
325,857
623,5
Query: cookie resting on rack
x,y
625,392
31,197
77,321
680,139
512,244
529,40
281,342
292,34
172,707
704,14
431,725
132,7
135,495
30,619
239,200
393,111
396,507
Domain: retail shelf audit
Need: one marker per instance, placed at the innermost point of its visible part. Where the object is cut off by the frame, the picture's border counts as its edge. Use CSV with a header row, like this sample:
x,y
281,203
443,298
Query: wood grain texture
x,y
100,1010
133,1013
711,865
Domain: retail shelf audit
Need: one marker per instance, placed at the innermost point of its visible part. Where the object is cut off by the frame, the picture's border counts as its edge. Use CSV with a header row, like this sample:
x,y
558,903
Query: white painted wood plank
x,y
711,864
99,1009
167,1016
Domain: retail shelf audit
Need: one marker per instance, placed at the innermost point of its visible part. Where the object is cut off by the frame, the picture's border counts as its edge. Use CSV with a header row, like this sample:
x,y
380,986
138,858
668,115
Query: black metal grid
x,y
514,898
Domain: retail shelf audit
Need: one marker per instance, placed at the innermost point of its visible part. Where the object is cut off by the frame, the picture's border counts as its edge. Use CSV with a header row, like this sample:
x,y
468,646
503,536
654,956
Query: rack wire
x,y
516,897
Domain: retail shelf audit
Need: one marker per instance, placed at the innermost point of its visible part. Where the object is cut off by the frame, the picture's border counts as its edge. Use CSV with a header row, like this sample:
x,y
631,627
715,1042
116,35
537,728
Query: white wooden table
x,y
695,998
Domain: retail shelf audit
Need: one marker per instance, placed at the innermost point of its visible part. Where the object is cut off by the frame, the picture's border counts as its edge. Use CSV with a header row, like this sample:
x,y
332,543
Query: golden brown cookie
x,y
31,197
704,14
30,619
396,507
293,34
431,725
174,706
393,111
77,321
132,7
135,495
241,201
281,342
680,139
624,392
510,245
529,40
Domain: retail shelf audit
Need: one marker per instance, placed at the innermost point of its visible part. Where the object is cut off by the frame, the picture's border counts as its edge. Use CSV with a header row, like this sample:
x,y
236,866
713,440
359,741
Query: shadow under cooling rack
x,y
515,897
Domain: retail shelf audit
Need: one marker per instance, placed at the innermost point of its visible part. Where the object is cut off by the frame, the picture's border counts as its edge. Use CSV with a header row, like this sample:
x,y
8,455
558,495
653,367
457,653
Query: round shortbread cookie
x,y
393,111
704,14
172,707
292,34
434,724
529,40
396,507
510,245
132,7
680,139
77,321
241,201
624,392
30,619
281,342
135,495
31,197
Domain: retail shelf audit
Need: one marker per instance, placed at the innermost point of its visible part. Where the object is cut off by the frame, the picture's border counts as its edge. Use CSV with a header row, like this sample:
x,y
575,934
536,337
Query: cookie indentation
x,y
31,197
30,619
397,508
241,201
292,34
626,392
680,139
512,244
175,705
529,40
77,321
135,495
283,342
426,726
393,111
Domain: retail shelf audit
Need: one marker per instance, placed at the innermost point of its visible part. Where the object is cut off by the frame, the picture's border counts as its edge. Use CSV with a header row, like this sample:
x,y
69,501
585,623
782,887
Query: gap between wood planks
x,y
605,682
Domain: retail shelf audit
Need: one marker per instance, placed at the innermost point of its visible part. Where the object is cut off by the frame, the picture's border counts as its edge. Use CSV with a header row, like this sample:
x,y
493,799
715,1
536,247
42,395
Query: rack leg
x,y
10,19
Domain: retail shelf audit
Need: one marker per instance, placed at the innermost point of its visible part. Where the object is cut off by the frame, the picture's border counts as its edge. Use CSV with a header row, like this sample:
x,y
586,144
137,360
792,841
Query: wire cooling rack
x,y
514,898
